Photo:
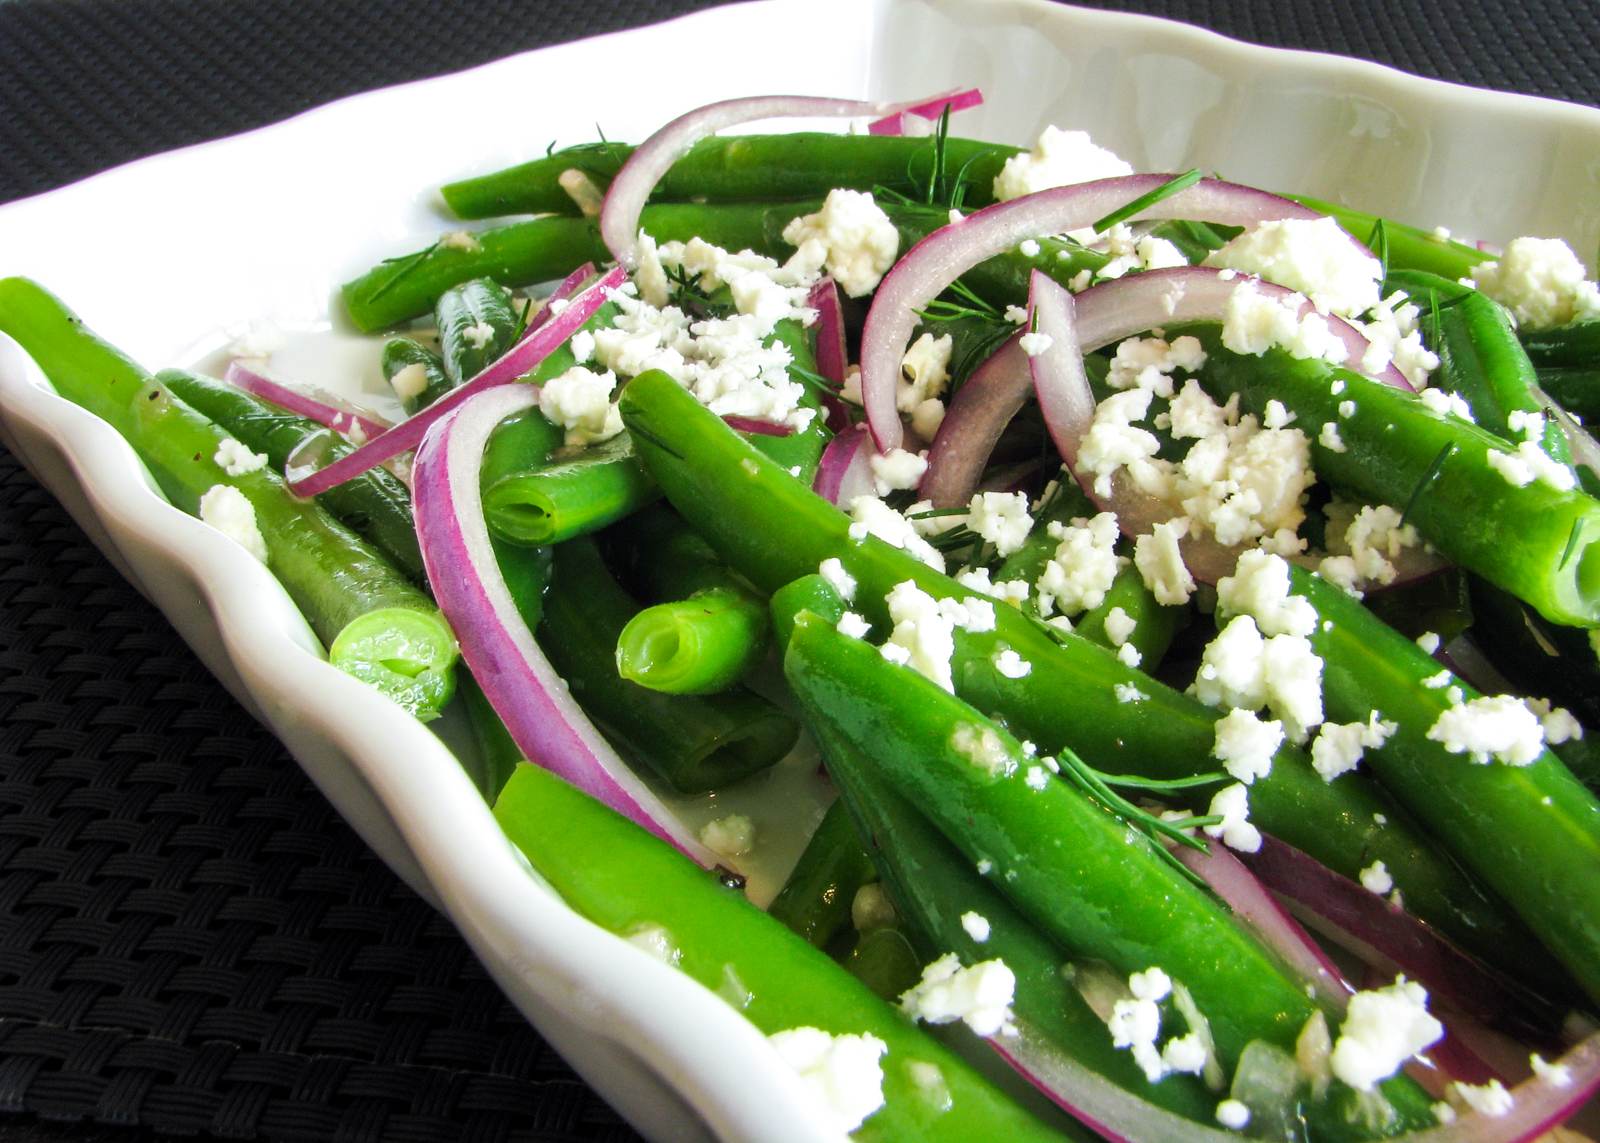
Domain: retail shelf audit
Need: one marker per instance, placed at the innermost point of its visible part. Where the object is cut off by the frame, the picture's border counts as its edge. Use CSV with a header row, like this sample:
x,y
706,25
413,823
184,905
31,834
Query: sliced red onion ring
x,y
833,362
630,189
956,101
526,692
845,470
1259,911
568,286
1584,448
929,267
756,425
535,346
1385,935
972,425
318,407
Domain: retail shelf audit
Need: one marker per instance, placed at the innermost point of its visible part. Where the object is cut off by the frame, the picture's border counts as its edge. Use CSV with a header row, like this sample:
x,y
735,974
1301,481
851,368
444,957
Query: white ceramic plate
x,y
198,243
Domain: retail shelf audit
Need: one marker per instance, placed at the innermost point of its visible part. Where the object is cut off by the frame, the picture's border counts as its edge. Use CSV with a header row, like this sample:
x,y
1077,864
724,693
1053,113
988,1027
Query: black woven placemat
x,y
191,942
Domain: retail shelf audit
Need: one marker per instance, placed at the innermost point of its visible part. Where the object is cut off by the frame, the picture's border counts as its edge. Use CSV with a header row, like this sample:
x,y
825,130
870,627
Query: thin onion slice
x,y
631,188
567,287
833,362
929,267
534,347
931,110
317,407
1384,934
526,692
1259,911
845,470
756,425
972,425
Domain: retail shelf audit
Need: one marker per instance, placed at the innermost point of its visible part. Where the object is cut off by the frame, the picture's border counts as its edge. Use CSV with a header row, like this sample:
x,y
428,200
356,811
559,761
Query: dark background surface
x,y
190,941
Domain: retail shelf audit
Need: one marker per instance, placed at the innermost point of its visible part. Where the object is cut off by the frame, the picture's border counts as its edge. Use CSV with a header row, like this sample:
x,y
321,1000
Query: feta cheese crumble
x,y
840,580
1490,1099
1541,282
227,510
1314,257
875,518
853,625
1259,588
1339,747
976,925
1012,665
896,470
410,382
979,996
579,401
1246,744
985,749
1233,1115
1033,344
1000,518
1375,878
1498,727
851,236
842,1073
235,459
1119,626
1232,805
1082,569
731,836
1556,1075
1383,1029
1058,158
1160,562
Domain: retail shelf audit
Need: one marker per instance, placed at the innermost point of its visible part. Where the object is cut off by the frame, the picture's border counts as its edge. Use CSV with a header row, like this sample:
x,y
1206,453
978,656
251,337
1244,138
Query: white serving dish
x,y
198,243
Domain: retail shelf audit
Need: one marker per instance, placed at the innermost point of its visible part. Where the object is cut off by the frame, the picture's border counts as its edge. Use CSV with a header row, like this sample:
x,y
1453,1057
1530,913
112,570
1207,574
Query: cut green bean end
x,y
407,655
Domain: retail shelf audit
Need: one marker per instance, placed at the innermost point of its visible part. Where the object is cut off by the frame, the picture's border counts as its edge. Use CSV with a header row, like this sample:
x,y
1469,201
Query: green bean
x,y
431,381
1570,346
476,326
628,882
523,440
1575,388
815,901
885,962
376,624
551,502
773,531
1544,658
712,629
1535,541
738,168
1410,247
1440,603
1550,873
374,504
1194,240
497,755
694,743
1079,874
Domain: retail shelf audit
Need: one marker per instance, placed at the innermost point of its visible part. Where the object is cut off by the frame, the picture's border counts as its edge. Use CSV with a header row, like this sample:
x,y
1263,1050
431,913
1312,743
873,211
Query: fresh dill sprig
x,y
404,264
638,430
1572,543
1378,241
1098,786
1434,468
1165,191
813,380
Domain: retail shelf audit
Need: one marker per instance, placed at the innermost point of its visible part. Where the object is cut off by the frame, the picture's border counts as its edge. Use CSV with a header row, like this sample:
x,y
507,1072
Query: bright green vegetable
x,y
476,325
374,504
377,625
627,881
402,353
815,901
550,502
1409,247
1575,388
1569,346
773,530
738,168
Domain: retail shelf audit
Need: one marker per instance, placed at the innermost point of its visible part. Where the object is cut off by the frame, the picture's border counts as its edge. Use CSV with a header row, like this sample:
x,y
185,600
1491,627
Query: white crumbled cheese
x,y
1036,778
1160,562
1558,722
1083,567
1383,1028
979,995
1114,442
1035,343
1443,1113
1364,548
1394,338
976,925
1499,727
853,625
1149,362
1314,257
1129,655
840,580
579,401
1151,984
1185,1054
1193,415
1556,1075
1016,315
1240,669
1119,626
656,941
236,460
478,335
1347,409
1127,692
875,518
1428,641
227,510
924,371
923,633
1541,282
1530,463
1254,321
1376,878
853,237
1529,425
1012,665
1232,805
259,341
927,417
1277,415
1339,747
1490,1099
897,469
1233,1115
731,836
460,240
1059,158
1259,588
1000,518
1245,744
871,908
1330,439
1029,248
842,1073
1437,681
409,382
1442,403
985,749
1012,591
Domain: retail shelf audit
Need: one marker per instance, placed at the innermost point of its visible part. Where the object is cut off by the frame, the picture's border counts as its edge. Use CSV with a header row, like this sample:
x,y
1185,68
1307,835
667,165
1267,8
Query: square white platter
x,y
189,248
